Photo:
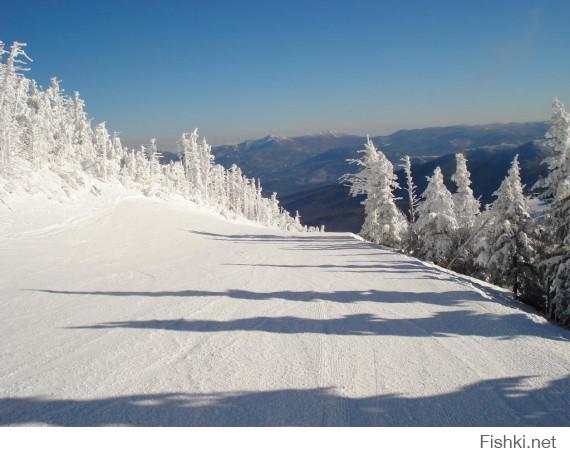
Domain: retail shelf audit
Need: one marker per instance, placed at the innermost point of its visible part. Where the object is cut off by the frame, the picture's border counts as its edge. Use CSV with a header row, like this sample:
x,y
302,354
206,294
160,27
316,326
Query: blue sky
x,y
244,69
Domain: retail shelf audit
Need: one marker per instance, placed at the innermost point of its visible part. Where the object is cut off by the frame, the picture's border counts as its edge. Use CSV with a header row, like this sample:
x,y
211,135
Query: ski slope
x,y
134,311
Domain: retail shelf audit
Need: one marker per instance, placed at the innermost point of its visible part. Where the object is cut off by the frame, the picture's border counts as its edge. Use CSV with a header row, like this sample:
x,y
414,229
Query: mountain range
x,y
288,165
305,170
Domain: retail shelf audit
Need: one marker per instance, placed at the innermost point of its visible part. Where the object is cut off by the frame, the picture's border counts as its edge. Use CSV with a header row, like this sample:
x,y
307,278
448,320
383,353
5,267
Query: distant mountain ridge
x,y
288,165
272,154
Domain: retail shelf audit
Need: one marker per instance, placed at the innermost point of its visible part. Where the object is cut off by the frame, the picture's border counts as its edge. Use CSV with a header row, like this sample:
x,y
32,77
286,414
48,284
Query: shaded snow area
x,y
133,311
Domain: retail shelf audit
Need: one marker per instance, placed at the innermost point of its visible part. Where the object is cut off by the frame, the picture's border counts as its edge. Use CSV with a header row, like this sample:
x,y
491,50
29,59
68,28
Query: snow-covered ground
x,y
129,310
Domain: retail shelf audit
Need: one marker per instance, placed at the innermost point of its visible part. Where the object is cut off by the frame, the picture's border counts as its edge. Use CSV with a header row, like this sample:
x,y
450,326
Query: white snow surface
x,y
124,310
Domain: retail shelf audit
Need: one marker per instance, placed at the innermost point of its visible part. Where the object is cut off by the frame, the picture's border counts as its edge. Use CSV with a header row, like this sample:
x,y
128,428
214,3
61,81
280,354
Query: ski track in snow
x,y
144,312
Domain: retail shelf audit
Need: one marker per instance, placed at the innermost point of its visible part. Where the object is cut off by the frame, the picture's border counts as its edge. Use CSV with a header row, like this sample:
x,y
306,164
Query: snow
x,y
121,309
537,207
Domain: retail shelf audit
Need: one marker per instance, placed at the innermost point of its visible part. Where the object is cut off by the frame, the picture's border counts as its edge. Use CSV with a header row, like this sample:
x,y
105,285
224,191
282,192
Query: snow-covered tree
x,y
192,156
218,188
82,132
558,262
504,246
206,162
102,146
62,124
154,167
411,237
556,185
555,255
116,153
384,223
13,97
558,139
465,205
436,224
410,189
466,209
556,259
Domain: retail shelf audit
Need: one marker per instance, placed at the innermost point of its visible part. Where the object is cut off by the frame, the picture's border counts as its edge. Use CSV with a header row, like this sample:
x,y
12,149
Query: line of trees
x,y
502,244
47,130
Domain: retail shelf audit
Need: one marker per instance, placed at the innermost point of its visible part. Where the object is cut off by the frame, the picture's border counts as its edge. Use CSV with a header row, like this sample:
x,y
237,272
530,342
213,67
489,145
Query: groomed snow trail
x,y
145,312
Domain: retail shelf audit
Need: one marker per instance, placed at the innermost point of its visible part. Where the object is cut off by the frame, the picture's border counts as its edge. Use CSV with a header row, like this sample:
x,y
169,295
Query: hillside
x,y
121,309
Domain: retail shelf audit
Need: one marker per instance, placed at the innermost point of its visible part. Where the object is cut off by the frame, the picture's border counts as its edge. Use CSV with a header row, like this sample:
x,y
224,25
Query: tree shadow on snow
x,y
303,242
276,238
441,324
387,266
496,402
443,298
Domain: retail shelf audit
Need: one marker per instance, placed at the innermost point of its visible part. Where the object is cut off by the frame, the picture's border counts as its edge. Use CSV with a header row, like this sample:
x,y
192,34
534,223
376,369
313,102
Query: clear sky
x,y
243,69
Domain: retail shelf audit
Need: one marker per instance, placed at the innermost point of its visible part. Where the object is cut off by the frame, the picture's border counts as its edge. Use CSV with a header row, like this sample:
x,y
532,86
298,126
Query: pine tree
x,y
466,206
557,182
13,97
505,247
466,209
555,258
82,133
154,167
410,189
384,223
411,238
558,263
206,164
102,147
116,154
436,224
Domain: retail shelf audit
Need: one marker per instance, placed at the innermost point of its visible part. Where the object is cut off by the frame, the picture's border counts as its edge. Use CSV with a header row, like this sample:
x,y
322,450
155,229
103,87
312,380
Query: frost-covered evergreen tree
x,y
116,154
436,224
197,161
218,189
102,147
411,237
154,166
82,133
504,247
384,223
555,258
557,182
466,209
206,163
465,205
410,189
558,304
14,89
